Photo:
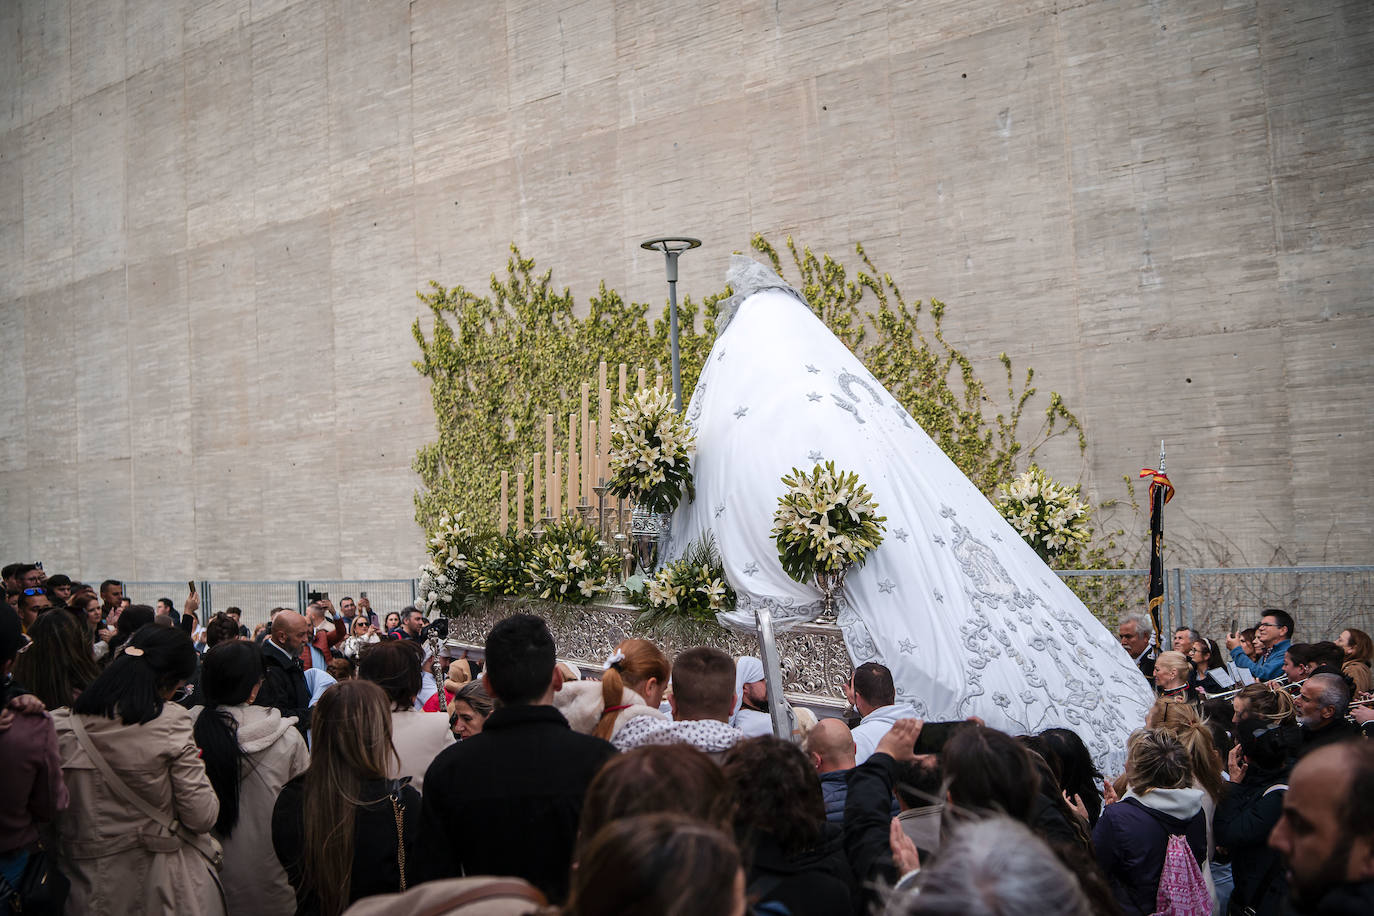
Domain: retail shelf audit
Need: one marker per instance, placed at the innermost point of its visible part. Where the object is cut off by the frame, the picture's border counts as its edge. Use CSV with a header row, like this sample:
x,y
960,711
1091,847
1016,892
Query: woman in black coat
x,y
794,856
335,850
1259,766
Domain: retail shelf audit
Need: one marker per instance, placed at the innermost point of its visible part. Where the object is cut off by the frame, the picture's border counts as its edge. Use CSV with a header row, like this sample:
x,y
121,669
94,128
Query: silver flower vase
x,y
647,533
830,582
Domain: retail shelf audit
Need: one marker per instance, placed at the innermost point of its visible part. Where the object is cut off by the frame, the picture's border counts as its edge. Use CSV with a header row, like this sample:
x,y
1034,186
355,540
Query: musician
x,y
1273,634
1204,654
1172,673
1321,705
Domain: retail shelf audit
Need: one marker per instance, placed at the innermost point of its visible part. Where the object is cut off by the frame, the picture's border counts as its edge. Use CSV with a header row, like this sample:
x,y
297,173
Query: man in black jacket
x,y
522,778
1326,831
283,679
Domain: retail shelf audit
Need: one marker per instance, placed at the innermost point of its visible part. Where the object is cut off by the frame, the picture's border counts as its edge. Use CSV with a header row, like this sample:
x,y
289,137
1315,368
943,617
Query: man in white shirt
x,y
870,690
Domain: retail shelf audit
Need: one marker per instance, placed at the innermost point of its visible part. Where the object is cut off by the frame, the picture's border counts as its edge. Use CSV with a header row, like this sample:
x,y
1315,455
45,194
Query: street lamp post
x,y
671,248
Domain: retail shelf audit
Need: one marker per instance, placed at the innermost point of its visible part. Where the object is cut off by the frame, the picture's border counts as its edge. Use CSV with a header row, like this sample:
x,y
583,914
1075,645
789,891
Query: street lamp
x,y
671,248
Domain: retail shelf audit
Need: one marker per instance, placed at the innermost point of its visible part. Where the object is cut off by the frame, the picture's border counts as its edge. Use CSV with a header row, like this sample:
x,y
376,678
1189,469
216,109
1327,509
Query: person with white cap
x,y
751,698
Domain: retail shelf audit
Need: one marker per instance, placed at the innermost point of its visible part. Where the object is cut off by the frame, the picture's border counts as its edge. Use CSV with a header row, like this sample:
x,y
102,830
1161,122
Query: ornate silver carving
x,y
815,661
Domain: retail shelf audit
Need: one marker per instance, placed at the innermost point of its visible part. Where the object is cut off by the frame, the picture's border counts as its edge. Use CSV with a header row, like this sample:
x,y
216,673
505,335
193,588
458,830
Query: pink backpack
x,y
1182,890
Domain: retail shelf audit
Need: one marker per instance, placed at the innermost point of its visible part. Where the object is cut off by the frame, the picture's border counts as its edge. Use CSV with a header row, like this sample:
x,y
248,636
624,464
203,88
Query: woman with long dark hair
x,y
58,664
344,829
796,857
133,838
133,618
250,752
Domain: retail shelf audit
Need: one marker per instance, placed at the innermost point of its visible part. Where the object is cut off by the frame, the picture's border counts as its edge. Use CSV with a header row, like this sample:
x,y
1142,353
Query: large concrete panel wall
x,y
214,216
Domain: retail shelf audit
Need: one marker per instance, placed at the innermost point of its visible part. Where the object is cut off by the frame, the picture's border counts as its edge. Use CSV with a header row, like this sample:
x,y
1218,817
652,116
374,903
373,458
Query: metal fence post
x,y
206,600
302,595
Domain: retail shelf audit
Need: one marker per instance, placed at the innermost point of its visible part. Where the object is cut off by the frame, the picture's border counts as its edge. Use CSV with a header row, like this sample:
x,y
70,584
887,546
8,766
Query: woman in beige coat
x,y
250,752
114,840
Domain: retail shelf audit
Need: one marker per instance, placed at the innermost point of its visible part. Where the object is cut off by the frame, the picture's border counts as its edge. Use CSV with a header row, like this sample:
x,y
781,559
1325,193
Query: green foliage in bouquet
x,y
692,587
651,452
568,564
827,519
445,581
1048,515
498,562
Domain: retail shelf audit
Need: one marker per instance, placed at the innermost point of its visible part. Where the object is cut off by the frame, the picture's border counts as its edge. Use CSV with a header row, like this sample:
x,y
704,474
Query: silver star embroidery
x,y
812,369
720,509
906,646
996,536
751,568
815,455
739,414
887,586
901,535
939,596
939,540
813,396
721,356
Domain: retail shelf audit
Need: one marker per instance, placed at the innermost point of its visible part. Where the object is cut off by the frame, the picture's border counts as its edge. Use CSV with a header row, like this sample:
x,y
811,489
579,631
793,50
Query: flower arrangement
x,y
497,565
651,452
826,521
445,585
1048,515
568,565
693,587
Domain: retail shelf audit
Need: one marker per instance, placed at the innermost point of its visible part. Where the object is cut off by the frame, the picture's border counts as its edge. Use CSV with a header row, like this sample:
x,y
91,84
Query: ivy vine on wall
x,y
499,361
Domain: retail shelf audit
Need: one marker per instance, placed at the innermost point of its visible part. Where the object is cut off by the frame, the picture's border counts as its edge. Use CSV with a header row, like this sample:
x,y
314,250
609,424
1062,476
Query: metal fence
x,y
1322,599
257,600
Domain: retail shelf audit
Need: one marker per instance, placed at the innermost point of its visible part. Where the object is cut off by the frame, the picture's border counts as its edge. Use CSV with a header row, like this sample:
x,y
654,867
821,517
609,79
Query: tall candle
x,y
584,458
621,398
639,380
519,500
550,469
573,486
603,473
556,481
536,494
505,501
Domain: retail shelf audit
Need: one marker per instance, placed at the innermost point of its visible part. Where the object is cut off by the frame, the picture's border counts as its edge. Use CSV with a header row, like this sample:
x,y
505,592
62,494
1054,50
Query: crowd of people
x,y
327,764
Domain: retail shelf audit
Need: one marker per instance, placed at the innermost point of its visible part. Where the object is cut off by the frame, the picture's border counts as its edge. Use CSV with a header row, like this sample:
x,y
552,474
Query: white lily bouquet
x,y
693,587
1048,515
444,580
568,565
825,522
651,452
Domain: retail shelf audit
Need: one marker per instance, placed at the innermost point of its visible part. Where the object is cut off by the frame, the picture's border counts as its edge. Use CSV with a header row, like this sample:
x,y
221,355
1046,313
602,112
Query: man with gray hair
x,y
1137,635
1321,706
993,867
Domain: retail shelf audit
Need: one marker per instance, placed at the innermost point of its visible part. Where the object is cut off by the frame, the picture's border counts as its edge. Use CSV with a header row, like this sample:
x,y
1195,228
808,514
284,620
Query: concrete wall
x,y
214,216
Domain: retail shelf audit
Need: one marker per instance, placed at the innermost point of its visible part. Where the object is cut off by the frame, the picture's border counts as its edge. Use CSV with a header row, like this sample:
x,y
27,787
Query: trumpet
x,y
1368,701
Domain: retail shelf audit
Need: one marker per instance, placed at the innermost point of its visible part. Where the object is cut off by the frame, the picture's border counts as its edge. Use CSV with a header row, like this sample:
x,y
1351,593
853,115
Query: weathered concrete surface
x,y
214,215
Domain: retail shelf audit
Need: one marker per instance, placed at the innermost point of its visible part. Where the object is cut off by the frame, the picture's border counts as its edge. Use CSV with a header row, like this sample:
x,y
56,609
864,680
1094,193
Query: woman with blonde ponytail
x,y
632,684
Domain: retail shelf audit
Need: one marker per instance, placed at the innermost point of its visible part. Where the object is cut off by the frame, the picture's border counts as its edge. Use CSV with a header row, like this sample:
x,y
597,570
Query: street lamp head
x,y
671,245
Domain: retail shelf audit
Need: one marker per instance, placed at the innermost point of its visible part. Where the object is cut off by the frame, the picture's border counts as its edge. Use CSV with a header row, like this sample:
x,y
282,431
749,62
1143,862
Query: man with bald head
x,y
1326,830
283,680
830,748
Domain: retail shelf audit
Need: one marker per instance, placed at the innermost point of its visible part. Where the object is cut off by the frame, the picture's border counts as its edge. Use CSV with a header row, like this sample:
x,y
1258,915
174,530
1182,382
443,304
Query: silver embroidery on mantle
x,y
845,405
995,601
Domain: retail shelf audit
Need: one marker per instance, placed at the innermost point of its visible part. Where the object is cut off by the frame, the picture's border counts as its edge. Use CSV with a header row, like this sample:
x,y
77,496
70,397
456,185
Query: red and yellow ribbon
x,y
1158,479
